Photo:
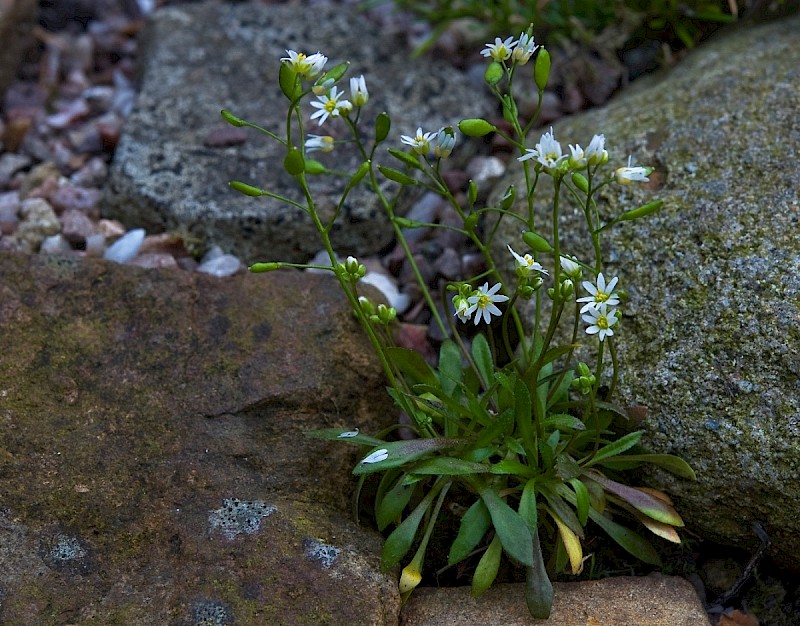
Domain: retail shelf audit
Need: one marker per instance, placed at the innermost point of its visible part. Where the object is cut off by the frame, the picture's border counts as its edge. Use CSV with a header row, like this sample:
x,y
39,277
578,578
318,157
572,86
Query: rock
x,y
126,247
220,266
653,600
10,164
153,459
709,338
76,227
163,174
37,221
17,19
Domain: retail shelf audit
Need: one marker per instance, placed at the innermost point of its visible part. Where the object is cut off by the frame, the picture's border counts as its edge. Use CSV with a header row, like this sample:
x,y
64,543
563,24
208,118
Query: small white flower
x,y
547,152
377,456
330,105
420,143
524,49
358,91
499,50
307,66
526,264
602,293
596,153
570,266
483,302
444,142
577,157
325,143
600,320
627,175
461,304
349,434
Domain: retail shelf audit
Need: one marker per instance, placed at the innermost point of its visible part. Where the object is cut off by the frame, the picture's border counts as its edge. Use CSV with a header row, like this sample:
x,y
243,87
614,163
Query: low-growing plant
x,y
686,21
518,420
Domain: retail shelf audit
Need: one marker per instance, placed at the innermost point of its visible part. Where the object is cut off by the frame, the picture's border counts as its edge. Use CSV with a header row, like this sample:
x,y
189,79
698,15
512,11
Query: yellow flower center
x,y
602,322
484,301
601,296
330,106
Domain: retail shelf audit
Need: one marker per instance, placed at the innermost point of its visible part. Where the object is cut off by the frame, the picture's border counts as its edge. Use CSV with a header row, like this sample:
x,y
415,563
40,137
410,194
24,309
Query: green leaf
x,y
399,542
289,82
399,453
515,468
510,527
412,160
343,434
615,447
566,467
396,175
581,500
538,588
449,466
673,464
449,367
625,537
563,510
502,425
474,524
527,505
482,355
487,568
554,353
562,421
391,503
524,418
411,364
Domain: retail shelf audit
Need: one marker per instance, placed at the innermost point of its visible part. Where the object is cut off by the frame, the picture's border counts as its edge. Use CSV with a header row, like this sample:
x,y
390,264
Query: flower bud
x,y
494,73
386,313
526,291
366,306
566,289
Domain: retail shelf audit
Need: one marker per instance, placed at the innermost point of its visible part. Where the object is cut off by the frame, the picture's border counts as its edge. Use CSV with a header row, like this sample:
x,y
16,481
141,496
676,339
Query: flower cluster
x,y
519,51
479,302
442,142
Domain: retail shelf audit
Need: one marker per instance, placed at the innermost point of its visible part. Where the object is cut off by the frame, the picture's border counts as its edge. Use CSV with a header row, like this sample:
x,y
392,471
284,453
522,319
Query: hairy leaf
x,y
487,568
474,524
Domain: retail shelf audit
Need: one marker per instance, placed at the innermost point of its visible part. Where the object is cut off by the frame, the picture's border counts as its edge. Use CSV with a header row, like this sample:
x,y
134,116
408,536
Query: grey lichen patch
x,y
323,553
237,517
211,613
65,553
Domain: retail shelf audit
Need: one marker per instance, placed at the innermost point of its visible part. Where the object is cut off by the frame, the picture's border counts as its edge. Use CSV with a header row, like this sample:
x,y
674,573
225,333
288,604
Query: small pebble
x,y
55,244
126,247
221,266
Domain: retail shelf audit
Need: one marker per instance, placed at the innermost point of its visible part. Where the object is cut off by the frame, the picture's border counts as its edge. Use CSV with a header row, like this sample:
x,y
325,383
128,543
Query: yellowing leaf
x,y
571,543
665,531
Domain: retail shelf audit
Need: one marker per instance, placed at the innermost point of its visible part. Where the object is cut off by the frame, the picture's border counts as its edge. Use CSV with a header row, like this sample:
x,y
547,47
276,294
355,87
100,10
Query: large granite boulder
x,y
710,338
175,157
152,459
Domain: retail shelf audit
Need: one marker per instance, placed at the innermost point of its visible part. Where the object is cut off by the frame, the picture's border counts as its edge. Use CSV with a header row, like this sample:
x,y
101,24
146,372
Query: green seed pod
x,y
259,268
232,119
494,73
383,124
412,160
536,242
313,166
580,181
642,211
289,82
508,198
472,192
246,189
294,163
397,176
541,69
475,127
471,222
334,74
